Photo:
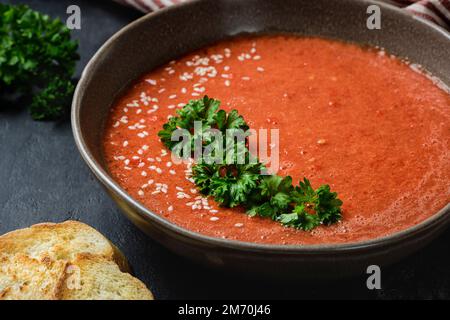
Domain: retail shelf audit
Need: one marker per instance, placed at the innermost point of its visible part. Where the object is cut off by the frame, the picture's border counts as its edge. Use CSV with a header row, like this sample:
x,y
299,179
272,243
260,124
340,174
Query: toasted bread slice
x,y
25,278
91,277
60,241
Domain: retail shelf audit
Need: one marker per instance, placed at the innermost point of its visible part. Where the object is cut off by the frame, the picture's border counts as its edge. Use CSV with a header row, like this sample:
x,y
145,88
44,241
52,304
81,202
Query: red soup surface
x,y
364,122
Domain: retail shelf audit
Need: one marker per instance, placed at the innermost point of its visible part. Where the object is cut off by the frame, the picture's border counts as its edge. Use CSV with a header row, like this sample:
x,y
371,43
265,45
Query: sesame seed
x,y
239,225
214,218
199,89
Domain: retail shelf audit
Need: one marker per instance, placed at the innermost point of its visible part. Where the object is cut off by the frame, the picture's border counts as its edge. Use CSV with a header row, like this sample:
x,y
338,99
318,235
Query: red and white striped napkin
x,y
150,5
436,11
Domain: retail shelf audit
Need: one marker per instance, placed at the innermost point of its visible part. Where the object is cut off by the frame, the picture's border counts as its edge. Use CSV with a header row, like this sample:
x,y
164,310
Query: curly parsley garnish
x,y
233,184
37,58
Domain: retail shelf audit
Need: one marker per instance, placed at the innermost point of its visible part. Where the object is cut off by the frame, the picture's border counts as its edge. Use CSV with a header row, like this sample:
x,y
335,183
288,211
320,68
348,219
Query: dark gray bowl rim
x,y
146,213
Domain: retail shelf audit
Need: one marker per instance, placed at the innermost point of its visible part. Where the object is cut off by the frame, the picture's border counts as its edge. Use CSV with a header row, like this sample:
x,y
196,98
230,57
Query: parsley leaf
x,y
273,197
323,203
230,185
207,111
300,219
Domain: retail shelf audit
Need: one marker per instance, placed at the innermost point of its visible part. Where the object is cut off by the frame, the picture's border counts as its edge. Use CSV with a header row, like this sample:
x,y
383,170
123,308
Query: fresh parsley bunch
x,y
37,58
233,184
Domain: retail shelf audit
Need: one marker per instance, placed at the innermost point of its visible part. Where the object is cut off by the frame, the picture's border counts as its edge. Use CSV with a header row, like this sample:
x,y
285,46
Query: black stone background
x,y
43,178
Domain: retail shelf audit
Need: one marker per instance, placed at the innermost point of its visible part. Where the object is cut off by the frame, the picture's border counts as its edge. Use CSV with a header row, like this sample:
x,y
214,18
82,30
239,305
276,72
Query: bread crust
x,y
35,262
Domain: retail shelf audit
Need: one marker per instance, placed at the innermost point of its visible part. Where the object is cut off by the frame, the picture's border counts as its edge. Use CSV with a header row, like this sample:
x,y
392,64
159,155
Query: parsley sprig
x,y
232,184
205,110
37,58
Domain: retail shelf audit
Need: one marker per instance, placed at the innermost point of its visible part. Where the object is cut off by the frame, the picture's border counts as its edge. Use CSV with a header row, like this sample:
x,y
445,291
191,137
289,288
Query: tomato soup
x,y
368,124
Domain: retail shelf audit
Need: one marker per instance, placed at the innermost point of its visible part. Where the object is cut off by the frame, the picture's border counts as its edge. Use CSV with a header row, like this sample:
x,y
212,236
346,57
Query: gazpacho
x,y
373,127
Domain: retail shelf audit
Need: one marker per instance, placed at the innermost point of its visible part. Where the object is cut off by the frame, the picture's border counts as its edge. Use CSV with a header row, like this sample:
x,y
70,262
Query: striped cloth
x,y
150,5
436,11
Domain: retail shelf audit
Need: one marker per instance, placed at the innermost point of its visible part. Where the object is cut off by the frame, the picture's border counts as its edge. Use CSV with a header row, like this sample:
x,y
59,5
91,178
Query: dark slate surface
x,y
43,178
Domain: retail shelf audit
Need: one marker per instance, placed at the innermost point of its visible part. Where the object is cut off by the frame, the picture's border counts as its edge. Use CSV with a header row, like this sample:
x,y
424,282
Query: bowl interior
x,y
160,37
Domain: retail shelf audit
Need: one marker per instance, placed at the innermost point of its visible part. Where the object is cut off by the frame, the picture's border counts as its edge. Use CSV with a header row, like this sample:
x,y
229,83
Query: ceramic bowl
x,y
159,37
